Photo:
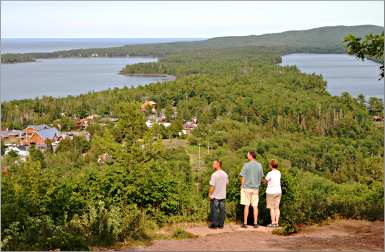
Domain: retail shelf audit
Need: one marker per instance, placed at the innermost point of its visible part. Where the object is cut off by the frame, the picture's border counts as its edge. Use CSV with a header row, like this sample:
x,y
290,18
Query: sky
x,y
99,19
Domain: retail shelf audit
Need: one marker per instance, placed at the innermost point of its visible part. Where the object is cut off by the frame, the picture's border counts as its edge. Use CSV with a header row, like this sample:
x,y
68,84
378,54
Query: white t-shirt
x,y
219,180
273,182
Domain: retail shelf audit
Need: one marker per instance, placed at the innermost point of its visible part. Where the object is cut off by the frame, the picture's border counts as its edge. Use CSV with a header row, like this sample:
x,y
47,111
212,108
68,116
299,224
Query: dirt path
x,y
342,235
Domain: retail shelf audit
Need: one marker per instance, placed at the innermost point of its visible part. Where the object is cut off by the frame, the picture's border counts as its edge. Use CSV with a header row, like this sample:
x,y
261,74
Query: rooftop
x,y
49,133
6,133
38,127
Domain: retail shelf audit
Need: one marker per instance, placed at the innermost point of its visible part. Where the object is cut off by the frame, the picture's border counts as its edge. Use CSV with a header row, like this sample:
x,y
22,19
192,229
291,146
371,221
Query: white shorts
x,y
249,197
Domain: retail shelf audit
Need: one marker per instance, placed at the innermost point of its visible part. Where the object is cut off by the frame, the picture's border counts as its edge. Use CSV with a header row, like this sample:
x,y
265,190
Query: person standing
x,y
273,192
251,176
217,194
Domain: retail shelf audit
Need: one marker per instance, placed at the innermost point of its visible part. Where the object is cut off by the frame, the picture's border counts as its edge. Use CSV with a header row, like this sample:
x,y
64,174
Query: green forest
x,y
318,40
329,149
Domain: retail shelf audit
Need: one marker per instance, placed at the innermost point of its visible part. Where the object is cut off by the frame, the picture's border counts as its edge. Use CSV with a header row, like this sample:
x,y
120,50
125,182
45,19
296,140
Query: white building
x,y
20,150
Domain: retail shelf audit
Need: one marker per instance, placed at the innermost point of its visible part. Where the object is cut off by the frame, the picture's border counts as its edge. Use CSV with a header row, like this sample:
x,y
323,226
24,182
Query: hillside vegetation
x,y
318,40
329,150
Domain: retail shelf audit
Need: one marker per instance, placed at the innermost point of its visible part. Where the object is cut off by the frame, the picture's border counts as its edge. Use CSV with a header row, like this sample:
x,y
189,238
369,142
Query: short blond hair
x,y
273,163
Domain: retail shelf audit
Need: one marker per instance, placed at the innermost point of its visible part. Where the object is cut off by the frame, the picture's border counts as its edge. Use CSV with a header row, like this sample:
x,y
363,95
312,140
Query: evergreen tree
x,y
131,122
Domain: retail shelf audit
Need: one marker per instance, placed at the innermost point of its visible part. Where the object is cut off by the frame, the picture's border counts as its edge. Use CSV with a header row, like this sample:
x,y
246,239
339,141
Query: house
x,y
148,104
104,158
82,124
12,136
38,134
149,123
92,117
71,134
165,124
154,119
190,125
20,150
31,128
109,119
55,144
162,117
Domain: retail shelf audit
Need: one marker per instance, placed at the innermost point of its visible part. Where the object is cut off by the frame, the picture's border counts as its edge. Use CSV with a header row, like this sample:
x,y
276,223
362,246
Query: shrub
x,y
105,226
40,233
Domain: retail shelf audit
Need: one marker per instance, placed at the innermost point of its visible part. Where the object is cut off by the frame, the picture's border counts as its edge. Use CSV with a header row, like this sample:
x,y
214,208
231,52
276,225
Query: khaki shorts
x,y
273,200
249,197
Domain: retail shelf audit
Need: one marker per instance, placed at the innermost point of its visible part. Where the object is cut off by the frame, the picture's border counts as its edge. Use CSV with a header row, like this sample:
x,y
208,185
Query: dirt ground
x,y
341,235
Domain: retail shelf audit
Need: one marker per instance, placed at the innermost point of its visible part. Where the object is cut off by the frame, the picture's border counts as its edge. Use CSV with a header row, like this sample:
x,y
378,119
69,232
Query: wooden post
x,y
199,156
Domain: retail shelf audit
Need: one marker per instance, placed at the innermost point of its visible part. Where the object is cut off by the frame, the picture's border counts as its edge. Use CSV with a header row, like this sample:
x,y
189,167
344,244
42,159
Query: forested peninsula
x,y
128,180
317,40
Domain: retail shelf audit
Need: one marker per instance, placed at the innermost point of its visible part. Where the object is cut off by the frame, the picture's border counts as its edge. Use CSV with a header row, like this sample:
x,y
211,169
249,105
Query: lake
x,y
74,76
343,73
68,76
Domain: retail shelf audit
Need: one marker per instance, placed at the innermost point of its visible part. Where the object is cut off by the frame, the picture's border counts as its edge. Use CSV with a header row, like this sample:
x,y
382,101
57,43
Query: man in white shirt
x,y
273,192
217,194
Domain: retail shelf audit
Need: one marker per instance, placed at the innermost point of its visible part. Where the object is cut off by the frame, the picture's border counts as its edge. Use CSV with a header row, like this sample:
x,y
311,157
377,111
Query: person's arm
x,y
266,179
242,174
242,181
212,186
211,191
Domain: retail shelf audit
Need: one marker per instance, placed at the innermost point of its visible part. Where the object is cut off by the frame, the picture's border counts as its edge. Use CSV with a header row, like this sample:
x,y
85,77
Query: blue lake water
x,y
343,73
68,76
74,76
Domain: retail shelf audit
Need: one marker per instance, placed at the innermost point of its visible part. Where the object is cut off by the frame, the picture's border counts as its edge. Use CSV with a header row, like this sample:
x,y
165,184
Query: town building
x,y
82,124
93,117
377,118
104,158
148,105
12,136
38,134
20,150
189,126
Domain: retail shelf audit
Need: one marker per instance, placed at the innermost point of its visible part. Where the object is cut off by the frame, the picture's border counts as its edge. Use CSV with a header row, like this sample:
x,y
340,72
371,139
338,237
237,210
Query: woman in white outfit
x,y
273,192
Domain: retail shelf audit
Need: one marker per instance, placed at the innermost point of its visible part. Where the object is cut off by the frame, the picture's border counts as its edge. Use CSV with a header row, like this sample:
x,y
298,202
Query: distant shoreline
x,y
75,57
168,77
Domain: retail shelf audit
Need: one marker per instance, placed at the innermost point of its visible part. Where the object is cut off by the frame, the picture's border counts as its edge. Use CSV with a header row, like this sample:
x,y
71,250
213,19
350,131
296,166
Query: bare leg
x,y
245,214
272,215
255,210
277,213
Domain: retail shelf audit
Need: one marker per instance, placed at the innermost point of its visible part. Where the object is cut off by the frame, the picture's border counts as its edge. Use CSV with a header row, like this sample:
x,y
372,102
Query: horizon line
x,y
214,36
136,37
184,38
